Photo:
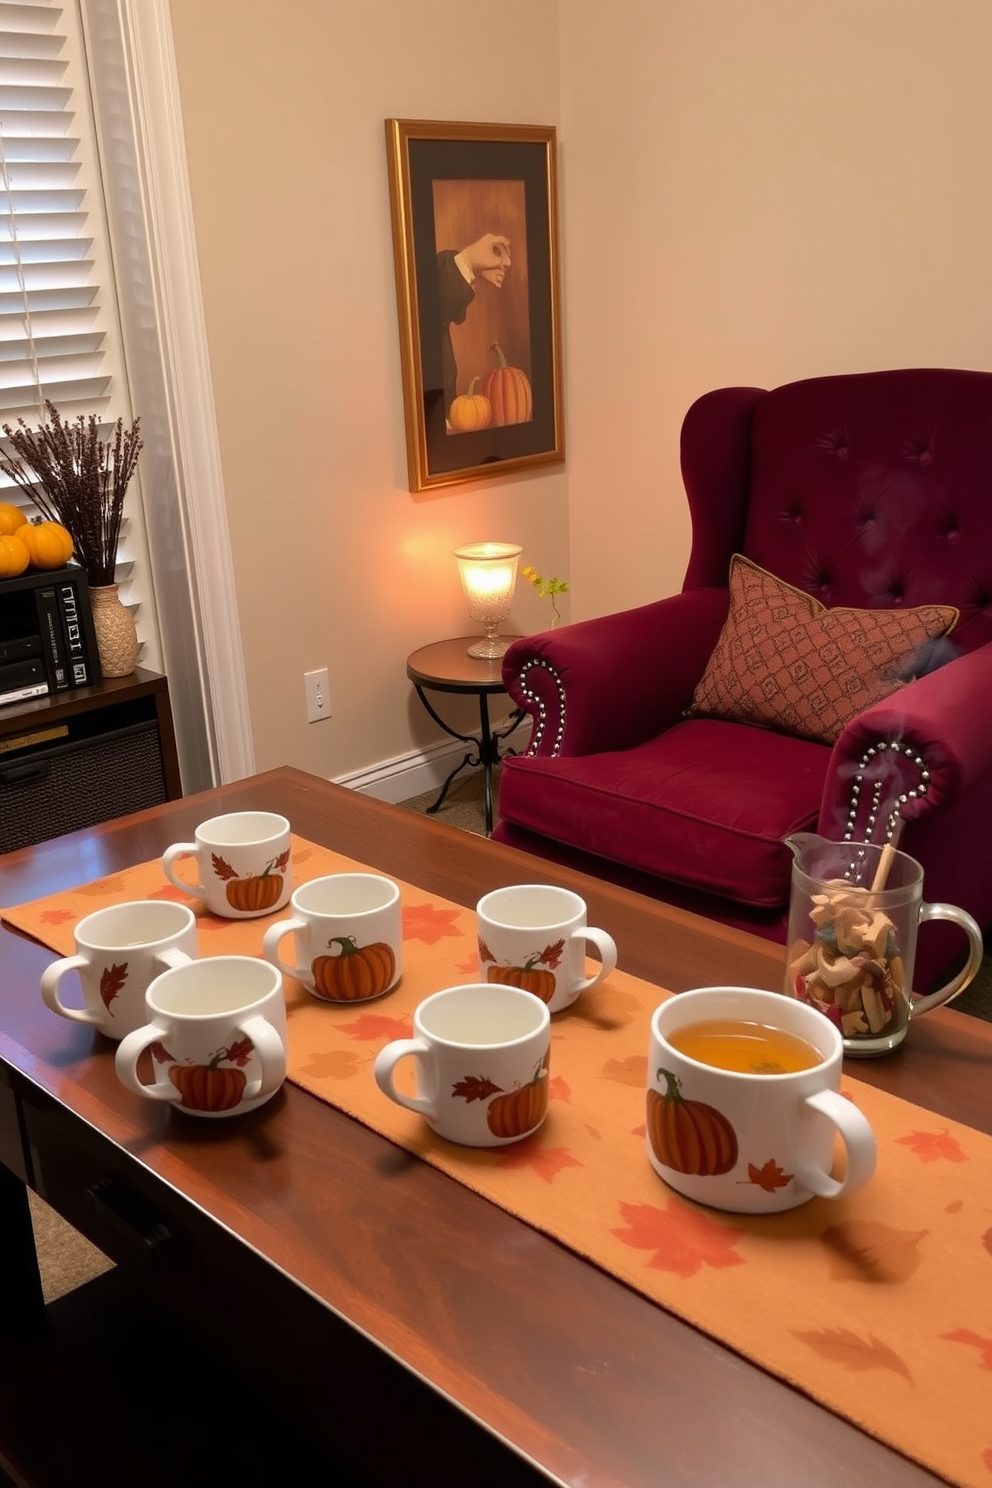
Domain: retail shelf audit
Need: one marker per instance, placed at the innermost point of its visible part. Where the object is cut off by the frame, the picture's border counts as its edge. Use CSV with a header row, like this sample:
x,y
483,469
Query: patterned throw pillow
x,y
786,662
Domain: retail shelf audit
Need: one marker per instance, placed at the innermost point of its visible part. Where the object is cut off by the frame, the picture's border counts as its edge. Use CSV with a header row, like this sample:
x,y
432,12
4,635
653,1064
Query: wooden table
x,y
431,1337
446,666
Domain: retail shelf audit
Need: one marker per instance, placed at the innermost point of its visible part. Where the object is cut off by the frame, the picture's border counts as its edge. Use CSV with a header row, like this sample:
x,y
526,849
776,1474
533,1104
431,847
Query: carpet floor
x,y
67,1259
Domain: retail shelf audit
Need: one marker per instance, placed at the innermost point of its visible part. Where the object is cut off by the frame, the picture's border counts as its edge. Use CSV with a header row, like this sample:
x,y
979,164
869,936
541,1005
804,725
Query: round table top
x,y
447,666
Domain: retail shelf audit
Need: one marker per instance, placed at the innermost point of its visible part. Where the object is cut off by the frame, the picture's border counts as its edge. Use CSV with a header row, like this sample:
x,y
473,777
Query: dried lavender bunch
x,y
82,480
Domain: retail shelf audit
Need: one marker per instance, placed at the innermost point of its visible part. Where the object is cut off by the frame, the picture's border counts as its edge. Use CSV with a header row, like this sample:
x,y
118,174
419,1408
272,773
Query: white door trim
x,y
157,114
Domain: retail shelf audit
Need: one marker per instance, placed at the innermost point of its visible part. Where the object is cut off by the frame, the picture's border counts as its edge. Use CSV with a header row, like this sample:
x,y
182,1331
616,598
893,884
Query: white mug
x,y
243,861
755,1136
481,1055
119,950
534,936
348,930
217,1037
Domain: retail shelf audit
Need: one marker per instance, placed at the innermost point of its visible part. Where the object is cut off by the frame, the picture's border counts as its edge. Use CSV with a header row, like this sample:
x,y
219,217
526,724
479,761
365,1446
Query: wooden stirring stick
x,y
882,871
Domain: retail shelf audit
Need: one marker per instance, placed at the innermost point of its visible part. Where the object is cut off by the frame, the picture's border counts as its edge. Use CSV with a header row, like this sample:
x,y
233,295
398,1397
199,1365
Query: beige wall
x,y
752,191
755,191
337,564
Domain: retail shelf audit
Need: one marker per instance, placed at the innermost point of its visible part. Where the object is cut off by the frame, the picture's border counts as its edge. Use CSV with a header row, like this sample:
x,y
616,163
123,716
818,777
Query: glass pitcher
x,y
852,939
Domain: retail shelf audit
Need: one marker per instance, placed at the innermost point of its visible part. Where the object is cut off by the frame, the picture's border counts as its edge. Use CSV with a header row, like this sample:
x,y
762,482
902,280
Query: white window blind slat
x,y
47,266
59,336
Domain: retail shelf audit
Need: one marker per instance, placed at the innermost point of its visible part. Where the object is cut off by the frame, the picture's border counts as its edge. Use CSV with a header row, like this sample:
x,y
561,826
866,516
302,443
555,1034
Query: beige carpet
x,y
67,1259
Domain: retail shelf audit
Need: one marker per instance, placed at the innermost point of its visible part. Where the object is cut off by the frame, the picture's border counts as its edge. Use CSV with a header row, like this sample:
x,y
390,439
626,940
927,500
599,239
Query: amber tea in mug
x,y
745,1047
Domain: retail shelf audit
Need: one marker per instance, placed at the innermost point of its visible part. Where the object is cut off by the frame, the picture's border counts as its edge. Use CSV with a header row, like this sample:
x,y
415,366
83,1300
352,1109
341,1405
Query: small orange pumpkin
x,y
528,977
508,390
48,543
11,518
360,972
14,556
472,410
687,1135
254,894
206,1087
519,1111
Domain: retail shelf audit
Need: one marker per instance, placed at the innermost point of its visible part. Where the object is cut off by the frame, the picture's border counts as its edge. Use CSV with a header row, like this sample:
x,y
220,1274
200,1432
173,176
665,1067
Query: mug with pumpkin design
x,y
535,936
743,1102
243,862
119,950
481,1055
348,932
216,1036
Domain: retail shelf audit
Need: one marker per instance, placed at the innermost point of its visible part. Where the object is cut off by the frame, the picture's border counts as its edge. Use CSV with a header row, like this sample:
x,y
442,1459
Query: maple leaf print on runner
x,y
467,968
56,916
167,892
842,1346
933,1146
630,1071
683,1240
338,1064
987,1241
866,1250
983,1345
102,887
372,1026
559,1088
547,1162
428,923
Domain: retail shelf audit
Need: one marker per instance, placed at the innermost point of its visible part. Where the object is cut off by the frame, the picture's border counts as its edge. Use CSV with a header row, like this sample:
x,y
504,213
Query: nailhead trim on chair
x,y
894,819
542,708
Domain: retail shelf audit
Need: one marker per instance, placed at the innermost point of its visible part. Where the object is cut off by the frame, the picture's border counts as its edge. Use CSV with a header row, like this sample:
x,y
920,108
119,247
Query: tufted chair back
x,y
869,490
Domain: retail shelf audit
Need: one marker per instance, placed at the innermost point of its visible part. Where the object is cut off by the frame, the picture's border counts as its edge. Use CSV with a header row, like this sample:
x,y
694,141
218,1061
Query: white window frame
x,y
132,71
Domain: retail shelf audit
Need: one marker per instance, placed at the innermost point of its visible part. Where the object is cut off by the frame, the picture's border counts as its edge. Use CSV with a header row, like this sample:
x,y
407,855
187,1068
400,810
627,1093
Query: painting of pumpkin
x,y
255,892
689,1136
358,973
209,1087
471,411
519,1111
508,390
532,976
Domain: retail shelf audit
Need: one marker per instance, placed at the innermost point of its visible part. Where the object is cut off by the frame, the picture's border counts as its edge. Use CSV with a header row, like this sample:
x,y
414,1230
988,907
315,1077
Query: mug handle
x,y
606,946
385,1063
129,1051
858,1139
173,956
169,856
50,979
976,951
270,949
271,1052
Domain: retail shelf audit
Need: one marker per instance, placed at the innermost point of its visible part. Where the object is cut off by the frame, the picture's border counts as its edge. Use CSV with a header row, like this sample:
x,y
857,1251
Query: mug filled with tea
x,y
743,1102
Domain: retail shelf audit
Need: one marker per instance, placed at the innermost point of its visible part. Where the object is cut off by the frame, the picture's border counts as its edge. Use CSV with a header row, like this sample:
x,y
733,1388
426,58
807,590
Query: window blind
x,y
52,326
60,337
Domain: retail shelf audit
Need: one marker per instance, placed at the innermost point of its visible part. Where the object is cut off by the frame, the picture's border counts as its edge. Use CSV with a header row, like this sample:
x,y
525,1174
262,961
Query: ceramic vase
x,y
116,638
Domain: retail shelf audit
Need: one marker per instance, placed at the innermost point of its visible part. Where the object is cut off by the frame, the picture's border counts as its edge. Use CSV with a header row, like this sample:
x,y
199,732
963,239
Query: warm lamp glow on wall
x,y
488,571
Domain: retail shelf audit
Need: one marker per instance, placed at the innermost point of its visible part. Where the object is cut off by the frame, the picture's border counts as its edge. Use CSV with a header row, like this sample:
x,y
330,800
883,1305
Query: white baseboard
x,y
423,770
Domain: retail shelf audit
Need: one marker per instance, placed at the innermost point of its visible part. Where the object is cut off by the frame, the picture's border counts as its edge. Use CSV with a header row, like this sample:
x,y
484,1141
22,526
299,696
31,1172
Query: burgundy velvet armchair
x,y
871,491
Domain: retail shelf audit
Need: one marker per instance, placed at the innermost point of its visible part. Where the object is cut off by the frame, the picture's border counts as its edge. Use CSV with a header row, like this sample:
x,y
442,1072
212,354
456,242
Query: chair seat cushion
x,y
706,804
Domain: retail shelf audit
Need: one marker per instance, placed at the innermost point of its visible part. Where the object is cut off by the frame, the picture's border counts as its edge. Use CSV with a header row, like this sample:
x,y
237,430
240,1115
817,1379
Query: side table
x,y
446,666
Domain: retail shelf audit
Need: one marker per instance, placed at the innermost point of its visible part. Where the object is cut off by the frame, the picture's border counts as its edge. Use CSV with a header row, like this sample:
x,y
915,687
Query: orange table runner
x,y
878,1306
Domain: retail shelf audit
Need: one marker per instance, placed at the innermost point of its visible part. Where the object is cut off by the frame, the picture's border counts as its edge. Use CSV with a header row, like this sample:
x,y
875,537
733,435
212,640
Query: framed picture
x,y
475,224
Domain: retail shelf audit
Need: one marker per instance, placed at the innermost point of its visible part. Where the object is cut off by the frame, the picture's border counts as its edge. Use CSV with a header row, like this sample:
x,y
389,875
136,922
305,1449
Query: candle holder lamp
x,y
488,571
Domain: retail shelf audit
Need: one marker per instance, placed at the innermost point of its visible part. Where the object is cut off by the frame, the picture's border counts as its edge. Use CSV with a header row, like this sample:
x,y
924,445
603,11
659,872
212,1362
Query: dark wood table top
x,y
445,666
589,1382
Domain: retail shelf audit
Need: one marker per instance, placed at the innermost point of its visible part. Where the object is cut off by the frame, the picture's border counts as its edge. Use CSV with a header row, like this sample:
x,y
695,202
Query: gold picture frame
x,y
475,245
